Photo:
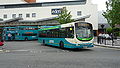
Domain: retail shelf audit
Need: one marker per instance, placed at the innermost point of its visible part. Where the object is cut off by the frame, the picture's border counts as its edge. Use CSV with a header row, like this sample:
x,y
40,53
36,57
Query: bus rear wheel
x,y
61,44
26,39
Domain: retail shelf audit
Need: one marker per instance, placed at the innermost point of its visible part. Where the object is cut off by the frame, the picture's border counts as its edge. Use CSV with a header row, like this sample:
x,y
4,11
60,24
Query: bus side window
x,y
48,33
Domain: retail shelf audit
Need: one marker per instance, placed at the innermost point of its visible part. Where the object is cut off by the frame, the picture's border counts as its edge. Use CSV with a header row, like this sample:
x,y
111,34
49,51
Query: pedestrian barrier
x,y
117,42
106,41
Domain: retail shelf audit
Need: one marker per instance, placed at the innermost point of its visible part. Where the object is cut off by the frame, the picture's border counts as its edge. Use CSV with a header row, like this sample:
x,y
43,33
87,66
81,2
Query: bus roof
x,y
56,27
9,27
48,27
26,26
59,26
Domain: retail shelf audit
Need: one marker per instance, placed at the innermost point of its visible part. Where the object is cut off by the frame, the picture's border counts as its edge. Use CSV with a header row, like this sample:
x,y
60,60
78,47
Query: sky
x,y
100,3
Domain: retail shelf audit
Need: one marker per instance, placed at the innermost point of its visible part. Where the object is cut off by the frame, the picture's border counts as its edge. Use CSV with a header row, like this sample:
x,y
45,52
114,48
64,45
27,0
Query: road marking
x,y
1,50
4,50
20,50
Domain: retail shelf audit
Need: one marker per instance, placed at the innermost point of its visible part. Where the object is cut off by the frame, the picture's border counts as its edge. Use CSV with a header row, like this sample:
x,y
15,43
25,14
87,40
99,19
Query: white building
x,y
39,11
2,2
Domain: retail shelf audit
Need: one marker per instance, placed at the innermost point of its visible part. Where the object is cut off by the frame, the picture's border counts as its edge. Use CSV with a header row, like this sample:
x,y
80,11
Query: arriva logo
x,y
56,11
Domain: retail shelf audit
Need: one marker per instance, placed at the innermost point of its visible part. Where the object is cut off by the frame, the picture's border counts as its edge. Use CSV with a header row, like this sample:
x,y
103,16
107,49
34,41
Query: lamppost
x,y
102,26
112,36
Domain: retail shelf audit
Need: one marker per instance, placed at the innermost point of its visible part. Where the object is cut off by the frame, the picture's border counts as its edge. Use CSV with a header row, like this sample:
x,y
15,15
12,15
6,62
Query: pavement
x,y
108,44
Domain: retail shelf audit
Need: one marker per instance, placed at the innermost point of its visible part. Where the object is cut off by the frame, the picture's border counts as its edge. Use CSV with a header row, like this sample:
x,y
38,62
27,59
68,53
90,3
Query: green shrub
x,y
116,31
109,30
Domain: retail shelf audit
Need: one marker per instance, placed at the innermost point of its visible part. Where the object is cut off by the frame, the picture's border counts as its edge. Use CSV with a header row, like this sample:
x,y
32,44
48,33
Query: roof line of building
x,y
59,3
47,2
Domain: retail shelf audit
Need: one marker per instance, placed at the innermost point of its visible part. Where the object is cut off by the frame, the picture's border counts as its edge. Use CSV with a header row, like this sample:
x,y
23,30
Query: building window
x,y
27,15
20,15
79,13
5,16
13,15
33,14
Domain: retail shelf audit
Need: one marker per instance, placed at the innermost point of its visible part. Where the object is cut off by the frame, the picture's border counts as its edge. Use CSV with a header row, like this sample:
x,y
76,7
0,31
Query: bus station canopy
x,y
40,20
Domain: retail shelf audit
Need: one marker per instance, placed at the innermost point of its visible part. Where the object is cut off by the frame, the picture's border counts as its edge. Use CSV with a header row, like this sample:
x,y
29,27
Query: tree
x,y
112,13
64,17
109,30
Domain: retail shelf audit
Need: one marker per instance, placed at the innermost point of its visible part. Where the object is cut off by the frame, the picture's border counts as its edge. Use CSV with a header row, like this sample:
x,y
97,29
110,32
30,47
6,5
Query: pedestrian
x,y
102,37
99,38
4,36
13,37
9,36
1,43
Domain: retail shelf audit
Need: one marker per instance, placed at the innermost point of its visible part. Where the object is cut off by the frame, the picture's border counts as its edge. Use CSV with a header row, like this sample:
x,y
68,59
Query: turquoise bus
x,y
71,35
26,33
9,30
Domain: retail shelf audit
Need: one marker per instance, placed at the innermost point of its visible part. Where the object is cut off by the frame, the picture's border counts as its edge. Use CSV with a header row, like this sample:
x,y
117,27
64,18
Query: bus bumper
x,y
81,46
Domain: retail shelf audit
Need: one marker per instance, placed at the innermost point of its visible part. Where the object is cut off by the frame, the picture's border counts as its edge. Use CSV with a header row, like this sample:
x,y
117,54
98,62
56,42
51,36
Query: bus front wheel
x,y
61,44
